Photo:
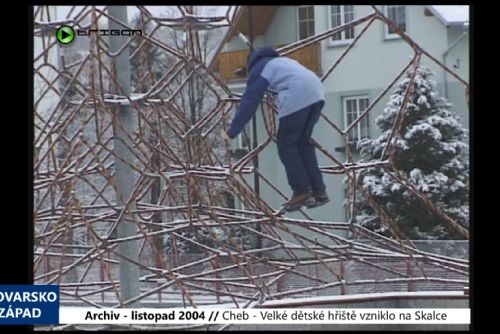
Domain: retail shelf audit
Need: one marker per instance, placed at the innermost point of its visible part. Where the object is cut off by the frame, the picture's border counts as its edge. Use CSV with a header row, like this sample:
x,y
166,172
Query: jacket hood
x,y
258,54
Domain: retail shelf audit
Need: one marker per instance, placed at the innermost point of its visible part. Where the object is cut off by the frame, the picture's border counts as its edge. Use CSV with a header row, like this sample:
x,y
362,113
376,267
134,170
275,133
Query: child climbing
x,y
300,100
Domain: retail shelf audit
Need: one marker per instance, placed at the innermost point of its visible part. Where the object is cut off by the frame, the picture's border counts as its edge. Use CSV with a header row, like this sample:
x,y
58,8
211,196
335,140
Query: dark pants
x,y
296,150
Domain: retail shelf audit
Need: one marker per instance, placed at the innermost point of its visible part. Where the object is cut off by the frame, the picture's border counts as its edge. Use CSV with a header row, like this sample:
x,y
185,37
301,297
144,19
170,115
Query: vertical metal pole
x,y
124,174
342,276
256,179
409,272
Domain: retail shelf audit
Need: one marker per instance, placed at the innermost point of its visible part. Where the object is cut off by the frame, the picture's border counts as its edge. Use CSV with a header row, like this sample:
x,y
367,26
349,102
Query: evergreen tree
x,y
430,153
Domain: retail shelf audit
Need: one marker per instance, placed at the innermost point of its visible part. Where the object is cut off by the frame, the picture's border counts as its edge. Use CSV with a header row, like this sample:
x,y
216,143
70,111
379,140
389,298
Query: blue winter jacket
x,y
296,86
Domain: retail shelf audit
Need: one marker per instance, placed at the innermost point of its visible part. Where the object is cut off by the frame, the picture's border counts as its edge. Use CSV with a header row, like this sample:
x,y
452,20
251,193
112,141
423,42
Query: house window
x,y
233,202
228,199
306,21
396,14
244,139
353,107
240,205
346,205
340,15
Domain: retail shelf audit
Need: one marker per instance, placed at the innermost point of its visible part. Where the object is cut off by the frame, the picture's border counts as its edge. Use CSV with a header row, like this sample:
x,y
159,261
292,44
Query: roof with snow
x,y
451,15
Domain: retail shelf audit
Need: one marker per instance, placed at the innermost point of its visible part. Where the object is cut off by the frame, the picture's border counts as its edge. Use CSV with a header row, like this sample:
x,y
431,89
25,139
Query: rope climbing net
x,y
134,187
